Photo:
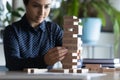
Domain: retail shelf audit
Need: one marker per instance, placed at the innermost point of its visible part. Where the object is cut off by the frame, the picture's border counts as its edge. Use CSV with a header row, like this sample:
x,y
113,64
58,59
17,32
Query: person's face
x,y
37,10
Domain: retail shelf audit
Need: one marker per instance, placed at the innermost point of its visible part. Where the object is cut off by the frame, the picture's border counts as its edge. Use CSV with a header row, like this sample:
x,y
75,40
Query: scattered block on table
x,y
117,69
99,68
69,70
35,70
78,71
106,69
59,70
93,67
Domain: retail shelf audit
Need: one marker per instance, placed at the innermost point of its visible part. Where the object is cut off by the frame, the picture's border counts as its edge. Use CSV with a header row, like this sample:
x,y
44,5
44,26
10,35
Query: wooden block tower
x,y
72,42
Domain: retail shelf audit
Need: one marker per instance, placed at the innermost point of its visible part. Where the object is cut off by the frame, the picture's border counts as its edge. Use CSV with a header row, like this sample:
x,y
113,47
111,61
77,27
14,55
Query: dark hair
x,y
25,2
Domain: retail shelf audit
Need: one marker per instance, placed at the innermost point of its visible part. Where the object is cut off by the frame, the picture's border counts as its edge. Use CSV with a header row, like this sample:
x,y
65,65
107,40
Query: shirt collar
x,y
42,26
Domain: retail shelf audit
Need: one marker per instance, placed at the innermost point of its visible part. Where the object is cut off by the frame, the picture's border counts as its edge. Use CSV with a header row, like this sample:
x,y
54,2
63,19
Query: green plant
x,y
98,8
93,8
68,7
1,12
11,14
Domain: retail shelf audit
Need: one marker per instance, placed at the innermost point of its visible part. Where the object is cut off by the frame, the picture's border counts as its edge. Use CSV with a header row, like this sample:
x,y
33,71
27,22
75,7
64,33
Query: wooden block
x,y
69,66
70,59
59,70
74,54
68,29
71,20
72,23
70,41
69,70
70,17
117,69
75,27
72,51
70,45
106,69
35,70
93,67
78,71
69,38
71,63
71,48
71,32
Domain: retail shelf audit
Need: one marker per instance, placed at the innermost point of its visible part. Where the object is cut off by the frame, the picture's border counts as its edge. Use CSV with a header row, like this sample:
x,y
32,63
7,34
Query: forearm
x,y
19,64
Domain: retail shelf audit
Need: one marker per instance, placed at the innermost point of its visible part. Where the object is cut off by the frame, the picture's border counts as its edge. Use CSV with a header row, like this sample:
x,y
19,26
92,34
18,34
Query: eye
x,y
47,6
35,5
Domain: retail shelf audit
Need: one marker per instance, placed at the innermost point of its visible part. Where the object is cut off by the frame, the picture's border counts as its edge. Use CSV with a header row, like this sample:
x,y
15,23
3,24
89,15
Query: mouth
x,y
40,17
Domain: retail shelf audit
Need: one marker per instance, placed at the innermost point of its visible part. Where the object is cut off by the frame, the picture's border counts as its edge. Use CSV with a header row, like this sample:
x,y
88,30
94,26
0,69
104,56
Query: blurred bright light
x,y
56,3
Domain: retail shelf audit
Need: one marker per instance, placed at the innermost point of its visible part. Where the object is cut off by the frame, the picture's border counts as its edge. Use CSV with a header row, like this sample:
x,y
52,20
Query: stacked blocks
x,y
72,42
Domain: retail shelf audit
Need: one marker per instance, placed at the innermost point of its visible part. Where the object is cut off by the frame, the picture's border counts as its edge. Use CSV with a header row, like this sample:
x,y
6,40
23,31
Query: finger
x,y
52,50
57,52
61,52
61,58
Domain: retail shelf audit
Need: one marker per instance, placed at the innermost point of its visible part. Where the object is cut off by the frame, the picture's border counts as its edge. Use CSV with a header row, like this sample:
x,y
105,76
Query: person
x,y
33,42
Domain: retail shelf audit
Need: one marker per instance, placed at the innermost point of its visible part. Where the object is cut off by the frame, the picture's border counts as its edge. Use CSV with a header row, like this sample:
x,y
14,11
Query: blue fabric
x,y
25,46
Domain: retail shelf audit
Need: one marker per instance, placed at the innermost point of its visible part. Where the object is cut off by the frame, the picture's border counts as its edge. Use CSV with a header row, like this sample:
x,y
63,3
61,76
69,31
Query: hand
x,y
55,54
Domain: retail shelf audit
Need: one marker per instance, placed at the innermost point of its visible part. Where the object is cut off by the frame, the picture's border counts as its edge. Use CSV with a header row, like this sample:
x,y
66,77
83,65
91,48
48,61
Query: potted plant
x,y
12,14
1,12
85,9
98,8
9,16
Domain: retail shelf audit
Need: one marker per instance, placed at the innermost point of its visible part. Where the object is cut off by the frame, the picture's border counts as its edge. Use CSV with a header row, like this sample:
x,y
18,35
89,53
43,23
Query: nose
x,y
41,11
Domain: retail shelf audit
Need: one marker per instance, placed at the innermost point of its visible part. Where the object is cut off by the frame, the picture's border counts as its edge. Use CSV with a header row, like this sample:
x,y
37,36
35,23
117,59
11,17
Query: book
x,y
117,65
101,61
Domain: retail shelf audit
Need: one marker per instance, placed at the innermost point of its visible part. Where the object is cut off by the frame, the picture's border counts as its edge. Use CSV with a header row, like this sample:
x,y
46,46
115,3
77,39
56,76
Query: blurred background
x,y
107,44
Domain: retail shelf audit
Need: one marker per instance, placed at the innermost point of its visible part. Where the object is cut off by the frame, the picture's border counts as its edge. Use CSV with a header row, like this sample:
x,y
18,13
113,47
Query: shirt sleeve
x,y
12,53
58,35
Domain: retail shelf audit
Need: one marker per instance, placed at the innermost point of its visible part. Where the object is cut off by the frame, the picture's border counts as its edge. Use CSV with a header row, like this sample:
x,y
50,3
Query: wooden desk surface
x,y
48,76
109,76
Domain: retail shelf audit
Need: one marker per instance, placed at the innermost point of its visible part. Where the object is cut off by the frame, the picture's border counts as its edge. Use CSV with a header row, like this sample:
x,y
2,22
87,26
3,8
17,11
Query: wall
x,y
115,3
103,47
2,59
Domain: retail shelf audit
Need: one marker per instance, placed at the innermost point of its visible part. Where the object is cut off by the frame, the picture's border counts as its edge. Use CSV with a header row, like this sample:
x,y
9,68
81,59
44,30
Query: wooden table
x,y
7,75
109,76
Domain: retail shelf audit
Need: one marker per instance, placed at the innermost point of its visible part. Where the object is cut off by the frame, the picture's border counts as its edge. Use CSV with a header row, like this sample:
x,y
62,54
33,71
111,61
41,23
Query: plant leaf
x,y
9,7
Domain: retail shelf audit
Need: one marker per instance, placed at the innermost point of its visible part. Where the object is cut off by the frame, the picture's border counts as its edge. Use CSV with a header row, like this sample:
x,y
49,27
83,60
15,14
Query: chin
x,y
39,21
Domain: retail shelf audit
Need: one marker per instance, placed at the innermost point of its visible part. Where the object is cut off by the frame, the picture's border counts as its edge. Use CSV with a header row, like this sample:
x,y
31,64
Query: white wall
x,y
2,58
115,3
100,50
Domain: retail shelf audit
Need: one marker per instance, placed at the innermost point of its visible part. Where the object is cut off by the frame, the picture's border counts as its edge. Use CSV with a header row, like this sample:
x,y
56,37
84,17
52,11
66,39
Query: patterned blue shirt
x,y
25,46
